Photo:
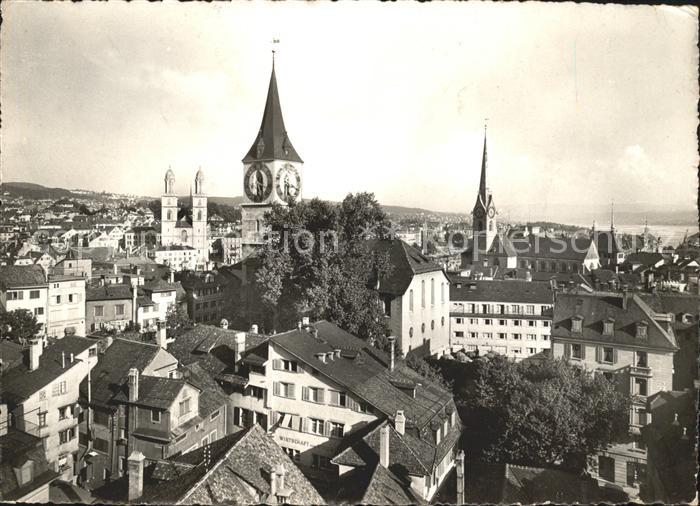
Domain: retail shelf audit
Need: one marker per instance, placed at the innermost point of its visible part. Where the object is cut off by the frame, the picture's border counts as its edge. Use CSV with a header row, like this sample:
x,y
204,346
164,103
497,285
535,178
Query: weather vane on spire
x,y
486,124
274,41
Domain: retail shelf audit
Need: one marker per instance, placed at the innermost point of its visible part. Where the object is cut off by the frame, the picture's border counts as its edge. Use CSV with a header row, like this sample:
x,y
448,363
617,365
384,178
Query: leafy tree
x,y
317,263
19,325
177,320
540,413
429,372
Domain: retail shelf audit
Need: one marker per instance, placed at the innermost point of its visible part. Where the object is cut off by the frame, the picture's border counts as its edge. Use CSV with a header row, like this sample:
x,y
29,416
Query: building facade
x,y
192,230
620,337
510,317
66,306
25,287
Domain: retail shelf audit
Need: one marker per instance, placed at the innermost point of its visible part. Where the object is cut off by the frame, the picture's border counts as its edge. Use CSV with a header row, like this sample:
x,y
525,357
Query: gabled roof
x,y
598,306
607,243
234,473
16,448
272,136
20,276
374,484
406,261
112,370
157,392
501,291
19,383
363,370
109,292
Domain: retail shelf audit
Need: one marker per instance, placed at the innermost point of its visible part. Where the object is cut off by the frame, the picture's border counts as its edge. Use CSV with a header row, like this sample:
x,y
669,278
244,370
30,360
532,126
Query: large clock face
x,y
258,182
288,183
479,212
492,212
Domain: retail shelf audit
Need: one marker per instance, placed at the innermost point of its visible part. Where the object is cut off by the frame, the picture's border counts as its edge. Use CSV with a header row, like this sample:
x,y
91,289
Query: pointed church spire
x,y
612,216
272,142
484,163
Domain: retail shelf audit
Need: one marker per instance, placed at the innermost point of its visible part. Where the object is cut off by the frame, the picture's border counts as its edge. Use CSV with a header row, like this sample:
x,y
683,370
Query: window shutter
x,y
333,397
598,352
583,351
567,350
614,355
321,396
277,364
290,391
276,388
304,393
275,417
327,429
304,424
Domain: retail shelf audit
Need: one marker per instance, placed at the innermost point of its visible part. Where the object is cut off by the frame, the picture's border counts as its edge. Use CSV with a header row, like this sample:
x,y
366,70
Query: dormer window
x,y
609,327
576,324
24,473
437,436
642,330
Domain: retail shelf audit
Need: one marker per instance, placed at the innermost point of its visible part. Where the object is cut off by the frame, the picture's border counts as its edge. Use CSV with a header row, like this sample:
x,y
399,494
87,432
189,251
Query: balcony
x,y
641,371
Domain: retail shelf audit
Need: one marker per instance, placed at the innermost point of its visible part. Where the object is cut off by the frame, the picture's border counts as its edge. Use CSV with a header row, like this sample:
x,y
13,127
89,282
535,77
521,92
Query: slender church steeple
x,y
484,229
484,164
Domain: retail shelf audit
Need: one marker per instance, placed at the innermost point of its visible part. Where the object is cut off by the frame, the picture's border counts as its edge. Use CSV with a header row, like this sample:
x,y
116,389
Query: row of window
x,y
317,461
309,425
422,326
206,304
209,291
67,435
70,299
19,294
502,323
503,350
524,309
502,335
314,394
422,294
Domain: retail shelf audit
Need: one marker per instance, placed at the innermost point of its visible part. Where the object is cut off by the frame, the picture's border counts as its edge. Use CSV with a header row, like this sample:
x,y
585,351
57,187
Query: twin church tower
x,y
272,173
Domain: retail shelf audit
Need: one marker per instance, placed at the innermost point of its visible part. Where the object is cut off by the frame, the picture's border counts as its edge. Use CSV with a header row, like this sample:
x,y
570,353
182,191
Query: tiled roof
x,y
406,261
644,258
374,484
607,243
159,285
677,303
16,448
15,276
109,292
272,136
19,382
235,474
501,291
598,306
112,370
212,396
158,392
366,375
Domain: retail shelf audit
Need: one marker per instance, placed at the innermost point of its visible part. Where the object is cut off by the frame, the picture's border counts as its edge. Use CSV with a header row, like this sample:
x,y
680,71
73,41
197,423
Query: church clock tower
x,y
271,170
483,215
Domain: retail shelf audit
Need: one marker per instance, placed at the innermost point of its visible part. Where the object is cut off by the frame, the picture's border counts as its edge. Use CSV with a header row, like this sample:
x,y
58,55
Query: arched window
x,y
183,236
432,325
199,215
442,321
170,215
432,291
410,300
410,332
422,293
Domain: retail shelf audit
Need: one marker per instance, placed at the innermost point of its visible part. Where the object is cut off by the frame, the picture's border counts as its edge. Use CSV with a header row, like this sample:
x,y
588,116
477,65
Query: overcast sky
x,y
586,103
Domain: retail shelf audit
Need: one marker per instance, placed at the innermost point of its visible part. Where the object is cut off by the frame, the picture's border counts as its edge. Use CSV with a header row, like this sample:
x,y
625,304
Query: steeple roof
x,y
272,142
482,182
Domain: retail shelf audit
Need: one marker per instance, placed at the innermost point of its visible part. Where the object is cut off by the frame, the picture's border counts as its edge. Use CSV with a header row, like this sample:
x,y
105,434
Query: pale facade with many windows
x,y
512,318
66,306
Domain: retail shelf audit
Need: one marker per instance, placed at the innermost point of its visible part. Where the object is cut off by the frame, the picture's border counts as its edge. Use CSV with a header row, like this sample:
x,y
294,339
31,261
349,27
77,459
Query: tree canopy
x,y
19,325
540,413
317,263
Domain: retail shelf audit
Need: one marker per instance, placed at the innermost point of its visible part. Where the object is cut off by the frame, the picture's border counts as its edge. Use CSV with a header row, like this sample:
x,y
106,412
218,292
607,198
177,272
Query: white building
x,y
510,317
177,257
66,306
42,396
416,299
25,287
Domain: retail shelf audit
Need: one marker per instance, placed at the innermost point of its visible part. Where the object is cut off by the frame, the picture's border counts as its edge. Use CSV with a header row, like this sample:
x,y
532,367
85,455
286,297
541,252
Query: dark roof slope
x,y
374,484
598,306
112,369
16,448
109,292
19,383
406,261
607,243
157,392
501,291
272,137
15,276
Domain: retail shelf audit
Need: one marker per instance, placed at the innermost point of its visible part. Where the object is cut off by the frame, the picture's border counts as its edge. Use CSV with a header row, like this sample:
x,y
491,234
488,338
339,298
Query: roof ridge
x,y
646,310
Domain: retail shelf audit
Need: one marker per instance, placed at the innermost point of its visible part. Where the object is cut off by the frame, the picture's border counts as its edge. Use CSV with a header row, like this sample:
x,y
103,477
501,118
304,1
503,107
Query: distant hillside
x,y
36,191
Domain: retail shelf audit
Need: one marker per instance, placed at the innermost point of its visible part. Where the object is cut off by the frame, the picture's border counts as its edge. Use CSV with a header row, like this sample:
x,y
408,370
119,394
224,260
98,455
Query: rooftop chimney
x,y
4,419
36,348
224,323
321,357
171,276
162,335
134,305
133,384
63,360
135,470
254,329
392,352
459,464
400,422
305,321
239,346
384,446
